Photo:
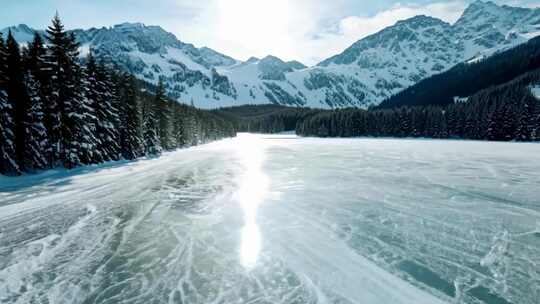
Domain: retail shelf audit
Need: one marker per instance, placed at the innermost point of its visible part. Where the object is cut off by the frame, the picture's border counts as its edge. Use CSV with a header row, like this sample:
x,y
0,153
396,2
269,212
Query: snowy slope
x,y
411,50
369,71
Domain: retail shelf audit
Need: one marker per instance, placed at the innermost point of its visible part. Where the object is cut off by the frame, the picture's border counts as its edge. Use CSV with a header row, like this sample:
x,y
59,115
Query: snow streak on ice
x,y
279,219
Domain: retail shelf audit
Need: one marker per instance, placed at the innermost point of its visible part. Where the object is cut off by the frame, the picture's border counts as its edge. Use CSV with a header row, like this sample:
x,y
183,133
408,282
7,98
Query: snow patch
x,y
535,90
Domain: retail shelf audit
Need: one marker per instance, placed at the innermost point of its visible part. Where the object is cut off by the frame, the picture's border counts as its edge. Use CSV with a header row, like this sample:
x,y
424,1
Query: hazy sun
x,y
253,19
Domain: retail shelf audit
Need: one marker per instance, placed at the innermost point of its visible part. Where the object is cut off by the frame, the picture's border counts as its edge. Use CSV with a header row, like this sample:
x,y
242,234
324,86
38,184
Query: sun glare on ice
x,y
253,189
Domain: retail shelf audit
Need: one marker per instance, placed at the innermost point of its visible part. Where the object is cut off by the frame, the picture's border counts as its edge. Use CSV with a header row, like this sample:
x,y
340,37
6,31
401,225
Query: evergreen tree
x,y
525,126
40,95
37,147
36,141
56,59
152,144
163,116
85,120
179,132
76,140
54,111
8,164
130,125
18,97
100,96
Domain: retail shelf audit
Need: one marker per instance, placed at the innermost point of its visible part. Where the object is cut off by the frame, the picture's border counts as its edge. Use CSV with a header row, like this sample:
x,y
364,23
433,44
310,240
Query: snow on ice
x,y
280,219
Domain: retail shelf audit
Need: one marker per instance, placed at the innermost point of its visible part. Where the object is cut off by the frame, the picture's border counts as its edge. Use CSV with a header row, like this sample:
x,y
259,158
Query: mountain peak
x,y
253,59
24,27
272,59
22,32
19,28
480,4
422,21
478,7
129,25
479,10
296,65
485,15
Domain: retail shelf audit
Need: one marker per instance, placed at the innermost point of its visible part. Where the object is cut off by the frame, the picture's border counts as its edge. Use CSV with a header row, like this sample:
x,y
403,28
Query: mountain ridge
x,y
366,73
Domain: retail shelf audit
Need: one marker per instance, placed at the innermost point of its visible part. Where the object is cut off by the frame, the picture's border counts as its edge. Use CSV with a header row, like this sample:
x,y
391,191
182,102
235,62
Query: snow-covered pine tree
x,y
56,59
525,127
179,131
37,78
55,112
36,139
191,128
104,114
18,96
130,125
83,114
8,164
76,128
163,116
509,123
107,114
495,124
152,144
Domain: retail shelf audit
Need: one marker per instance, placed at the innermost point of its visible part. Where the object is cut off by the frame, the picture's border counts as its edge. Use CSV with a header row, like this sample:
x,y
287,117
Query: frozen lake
x,y
280,219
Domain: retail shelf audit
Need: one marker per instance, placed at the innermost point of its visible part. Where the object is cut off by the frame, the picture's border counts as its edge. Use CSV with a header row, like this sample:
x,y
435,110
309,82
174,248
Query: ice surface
x,y
279,219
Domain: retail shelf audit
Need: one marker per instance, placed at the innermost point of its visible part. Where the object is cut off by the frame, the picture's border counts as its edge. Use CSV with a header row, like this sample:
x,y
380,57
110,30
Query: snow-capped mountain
x,y
413,49
369,71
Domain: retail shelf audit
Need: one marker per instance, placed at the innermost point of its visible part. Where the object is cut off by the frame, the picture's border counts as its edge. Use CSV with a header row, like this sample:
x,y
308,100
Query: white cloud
x,y
305,30
244,28
352,28
363,26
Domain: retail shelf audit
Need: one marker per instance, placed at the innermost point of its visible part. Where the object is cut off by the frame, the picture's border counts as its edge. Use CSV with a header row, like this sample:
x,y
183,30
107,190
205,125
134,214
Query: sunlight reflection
x,y
252,191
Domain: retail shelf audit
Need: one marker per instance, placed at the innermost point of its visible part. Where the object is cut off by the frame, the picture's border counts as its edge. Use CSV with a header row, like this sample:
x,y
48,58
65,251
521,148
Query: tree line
x,y
495,103
59,110
265,118
507,112
502,113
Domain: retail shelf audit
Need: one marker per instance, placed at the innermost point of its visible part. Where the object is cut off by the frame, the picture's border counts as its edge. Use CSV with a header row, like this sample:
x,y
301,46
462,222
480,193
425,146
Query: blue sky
x,y
306,30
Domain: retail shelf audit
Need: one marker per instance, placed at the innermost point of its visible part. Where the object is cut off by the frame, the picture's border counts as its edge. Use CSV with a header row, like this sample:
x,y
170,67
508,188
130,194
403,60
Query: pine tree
x,y
37,146
56,59
8,164
525,126
130,126
163,116
108,115
18,97
39,90
100,96
509,121
85,120
494,130
178,135
75,132
36,141
152,145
